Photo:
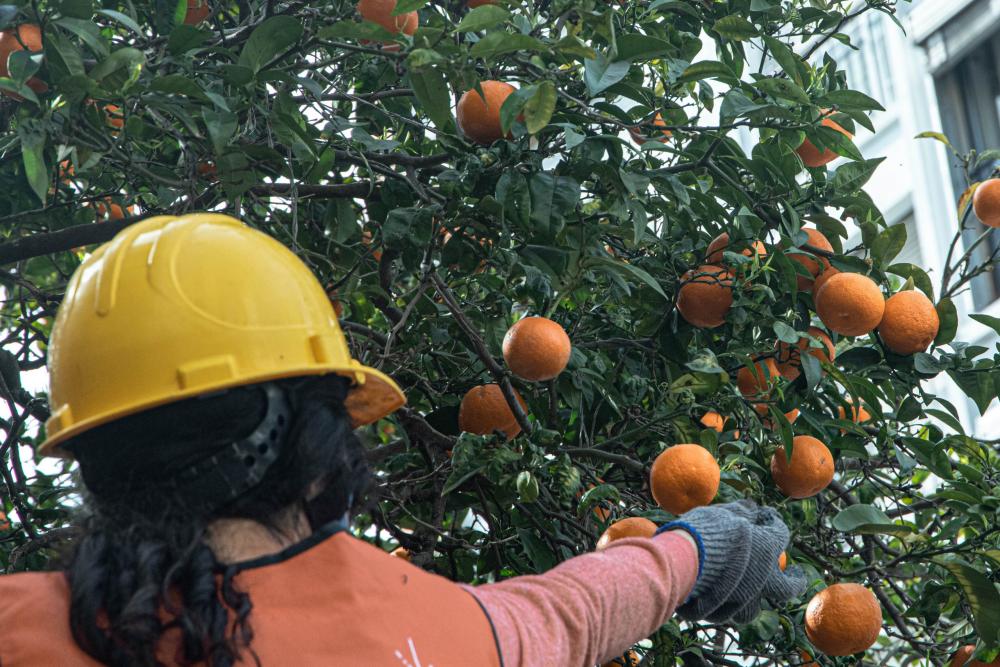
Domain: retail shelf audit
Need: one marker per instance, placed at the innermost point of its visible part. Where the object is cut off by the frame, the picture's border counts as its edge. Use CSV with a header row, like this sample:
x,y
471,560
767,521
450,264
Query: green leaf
x,y
791,63
636,47
608,263
407,6
735,27
867,520
499,43
988,320
849,99
540,106
221,126
783,89
916,274
571,45
420,58
707,69
937,136
601,73
889,243
124,19
268,40
186,38
431,91
851,176
512,107
78,9
88,32
982,594
356,31
178,84
786,333
119,70
481,18
33,157
63,55
948,315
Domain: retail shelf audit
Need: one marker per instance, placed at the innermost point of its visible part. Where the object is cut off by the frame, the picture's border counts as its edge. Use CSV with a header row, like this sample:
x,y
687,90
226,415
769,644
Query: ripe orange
x,y
484,410
111,210
4,521
114,117
705,296
790,358
401,552
813,263
684,477
721,242
630,659
986,202
641,134
783,561
210,171
758,380
828,272
713,420
812,156
366,240
858,414
843,619
850,304
963,658
197,11
910,322
27,35
536,348
810,471
479,115
380,12
635,526
807,660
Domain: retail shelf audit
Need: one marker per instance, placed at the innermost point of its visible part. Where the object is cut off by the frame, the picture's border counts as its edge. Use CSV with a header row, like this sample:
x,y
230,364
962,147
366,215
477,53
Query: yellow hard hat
x,y
176,307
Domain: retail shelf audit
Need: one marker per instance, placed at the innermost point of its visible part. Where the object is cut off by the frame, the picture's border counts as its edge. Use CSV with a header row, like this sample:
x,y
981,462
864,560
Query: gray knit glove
x,y
738,548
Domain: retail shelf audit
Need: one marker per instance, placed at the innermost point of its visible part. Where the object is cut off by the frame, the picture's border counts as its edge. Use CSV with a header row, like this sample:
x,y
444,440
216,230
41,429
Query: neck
x,y
238,540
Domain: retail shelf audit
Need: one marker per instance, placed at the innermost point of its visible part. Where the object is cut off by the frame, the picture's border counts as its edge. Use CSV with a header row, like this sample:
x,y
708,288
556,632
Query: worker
x,y
201,381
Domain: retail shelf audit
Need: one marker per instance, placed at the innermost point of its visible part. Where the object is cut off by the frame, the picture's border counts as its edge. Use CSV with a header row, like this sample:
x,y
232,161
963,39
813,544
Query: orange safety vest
x,y
330,600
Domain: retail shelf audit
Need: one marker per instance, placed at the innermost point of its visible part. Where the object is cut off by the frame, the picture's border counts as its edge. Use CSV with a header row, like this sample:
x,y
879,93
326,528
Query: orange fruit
x,y
111,210
807,660
910,322
718,245
783,561
963,658
713,420
705,296
986,202
115,118
790,358
828,272
479,115
809,472
684,477
197,11
484,410
536,348
813,263
380,12
640,133
4,521
858,414
850,304
758,380
843,619
635,526
630,659
27,35
763,411
366,240
207,170
812,156
401,552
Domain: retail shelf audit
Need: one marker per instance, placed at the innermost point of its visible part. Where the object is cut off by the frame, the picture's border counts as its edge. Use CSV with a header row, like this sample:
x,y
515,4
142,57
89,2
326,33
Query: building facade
x,y
941,75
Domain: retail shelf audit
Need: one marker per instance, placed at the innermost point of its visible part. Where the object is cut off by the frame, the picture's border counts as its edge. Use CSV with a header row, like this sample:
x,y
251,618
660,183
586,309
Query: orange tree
x,y
603,148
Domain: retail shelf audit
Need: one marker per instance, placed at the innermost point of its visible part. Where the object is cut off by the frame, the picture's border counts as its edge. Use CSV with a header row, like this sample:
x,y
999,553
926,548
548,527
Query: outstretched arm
x,y
592,607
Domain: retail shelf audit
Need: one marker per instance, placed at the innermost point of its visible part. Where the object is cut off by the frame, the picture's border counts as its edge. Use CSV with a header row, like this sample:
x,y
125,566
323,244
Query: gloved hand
x,y
738,548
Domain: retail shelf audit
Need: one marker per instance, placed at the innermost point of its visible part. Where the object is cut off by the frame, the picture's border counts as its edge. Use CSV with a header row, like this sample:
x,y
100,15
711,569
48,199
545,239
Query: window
x,y
968,97
868,66
910,254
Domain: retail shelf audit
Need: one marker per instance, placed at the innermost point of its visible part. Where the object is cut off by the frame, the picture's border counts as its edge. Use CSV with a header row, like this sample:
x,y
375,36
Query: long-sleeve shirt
x,y
593,607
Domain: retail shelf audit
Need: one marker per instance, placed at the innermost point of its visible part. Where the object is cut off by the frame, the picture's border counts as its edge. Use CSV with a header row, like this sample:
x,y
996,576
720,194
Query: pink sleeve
x,y
593,607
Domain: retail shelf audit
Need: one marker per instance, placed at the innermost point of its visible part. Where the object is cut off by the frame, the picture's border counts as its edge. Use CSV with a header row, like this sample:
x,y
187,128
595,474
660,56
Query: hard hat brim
x,y
372,396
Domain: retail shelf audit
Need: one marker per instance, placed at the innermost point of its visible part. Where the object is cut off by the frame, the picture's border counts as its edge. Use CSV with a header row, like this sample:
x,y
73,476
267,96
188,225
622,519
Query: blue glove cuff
x,y
683,525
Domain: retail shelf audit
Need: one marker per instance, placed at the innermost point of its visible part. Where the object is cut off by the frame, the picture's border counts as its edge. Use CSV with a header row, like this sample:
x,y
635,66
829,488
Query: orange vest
x,y
328,601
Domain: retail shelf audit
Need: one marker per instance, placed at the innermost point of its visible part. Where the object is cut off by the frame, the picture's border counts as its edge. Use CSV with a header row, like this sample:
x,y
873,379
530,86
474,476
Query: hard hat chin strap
x,y
238,467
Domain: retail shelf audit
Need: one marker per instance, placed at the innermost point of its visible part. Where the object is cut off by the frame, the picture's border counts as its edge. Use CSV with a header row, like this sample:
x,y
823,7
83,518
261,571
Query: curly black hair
x,y
142,567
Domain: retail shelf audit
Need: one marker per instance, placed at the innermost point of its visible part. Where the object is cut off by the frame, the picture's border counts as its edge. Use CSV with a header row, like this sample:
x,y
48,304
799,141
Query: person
x,y
201,381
